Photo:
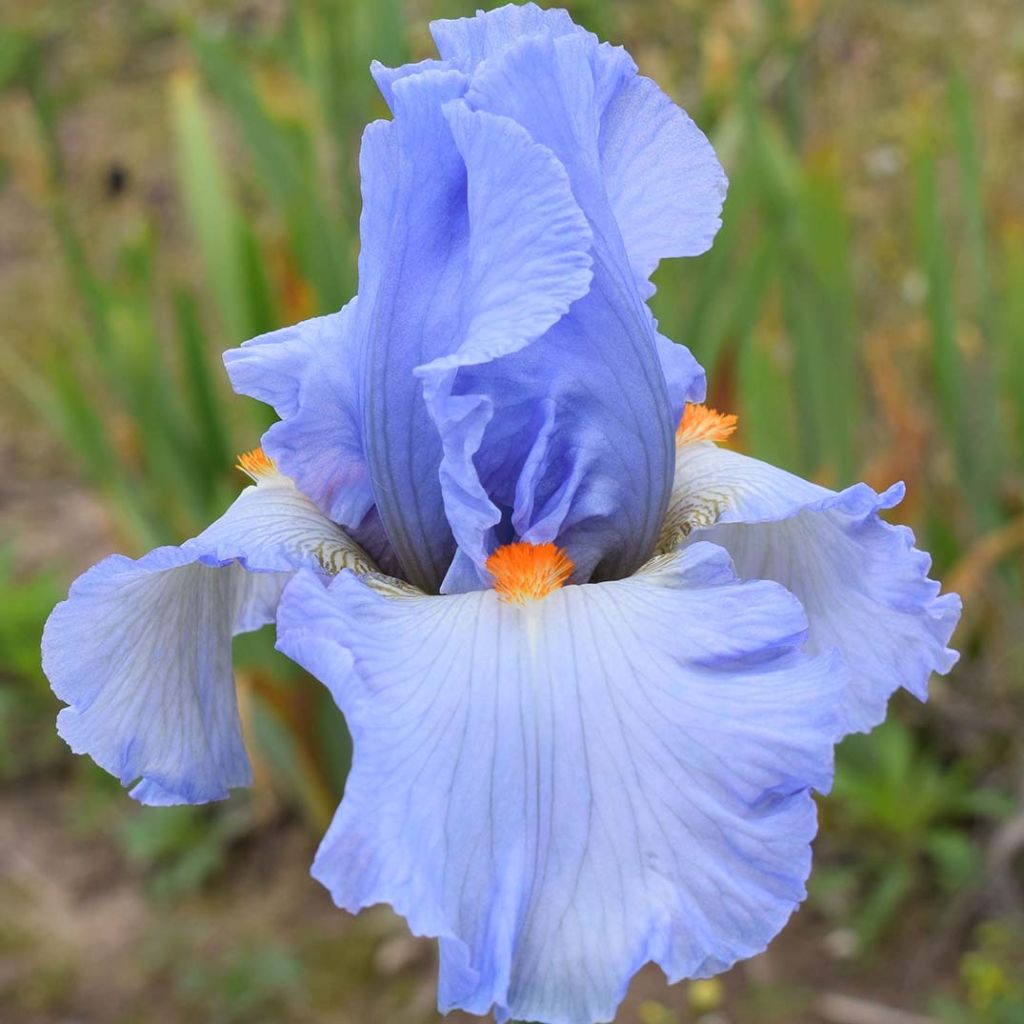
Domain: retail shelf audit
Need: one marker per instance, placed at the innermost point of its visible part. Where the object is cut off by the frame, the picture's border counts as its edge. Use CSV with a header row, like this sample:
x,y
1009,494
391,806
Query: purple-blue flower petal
x,y
561,792
141,649
468,41
528,260
665,184
485,384
308,373
602,467
864,585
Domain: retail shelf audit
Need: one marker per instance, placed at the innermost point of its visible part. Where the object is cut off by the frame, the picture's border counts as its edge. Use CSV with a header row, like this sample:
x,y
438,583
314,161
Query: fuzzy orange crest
x,y
256,464
527,572
699,423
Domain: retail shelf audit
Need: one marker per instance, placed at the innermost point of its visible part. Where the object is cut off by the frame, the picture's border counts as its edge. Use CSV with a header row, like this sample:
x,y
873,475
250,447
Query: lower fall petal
x,y
141,649
566,789
864,585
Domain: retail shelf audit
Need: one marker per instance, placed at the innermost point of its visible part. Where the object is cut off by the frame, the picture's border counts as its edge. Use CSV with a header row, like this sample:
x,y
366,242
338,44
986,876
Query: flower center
x,y
699,423
256,464
527,572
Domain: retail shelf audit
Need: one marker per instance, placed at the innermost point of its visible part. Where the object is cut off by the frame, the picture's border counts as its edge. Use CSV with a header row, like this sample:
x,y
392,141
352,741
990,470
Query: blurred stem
x,y
952,375
66,404
984,428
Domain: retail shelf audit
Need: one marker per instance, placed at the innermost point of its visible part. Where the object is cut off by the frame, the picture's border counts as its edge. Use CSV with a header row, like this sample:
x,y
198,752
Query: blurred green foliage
x,y
258,982
911,821
841,362
993,977
24,699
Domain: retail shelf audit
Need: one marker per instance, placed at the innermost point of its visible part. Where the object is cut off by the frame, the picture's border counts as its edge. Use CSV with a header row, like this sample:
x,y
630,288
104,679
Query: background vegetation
x,y
179,175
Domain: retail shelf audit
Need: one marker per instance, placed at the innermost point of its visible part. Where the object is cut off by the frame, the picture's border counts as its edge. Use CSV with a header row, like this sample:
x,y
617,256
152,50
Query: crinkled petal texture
x,y
864,585
565,790
664,183
500,375
584,410
141,649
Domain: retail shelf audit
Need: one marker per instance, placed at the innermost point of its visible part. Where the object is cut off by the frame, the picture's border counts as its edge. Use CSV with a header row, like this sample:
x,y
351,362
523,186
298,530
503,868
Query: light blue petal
x,y
414,235
309,373
385,77
555,88
468,41
528,258
141,649
665,184
564,791
528,261
484,248
600,469
863,583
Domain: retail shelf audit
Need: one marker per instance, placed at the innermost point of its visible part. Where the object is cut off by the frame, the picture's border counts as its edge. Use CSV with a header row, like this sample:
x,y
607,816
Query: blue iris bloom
x,y
593,664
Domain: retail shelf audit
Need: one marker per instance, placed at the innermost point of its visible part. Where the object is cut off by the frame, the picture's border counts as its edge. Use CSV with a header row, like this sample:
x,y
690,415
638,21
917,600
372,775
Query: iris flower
x,y
593,663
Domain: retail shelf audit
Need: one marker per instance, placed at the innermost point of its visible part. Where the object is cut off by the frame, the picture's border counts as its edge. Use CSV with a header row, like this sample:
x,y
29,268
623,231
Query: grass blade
x,y
211,208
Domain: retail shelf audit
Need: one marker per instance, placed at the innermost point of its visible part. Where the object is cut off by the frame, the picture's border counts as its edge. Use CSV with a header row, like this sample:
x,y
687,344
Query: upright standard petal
x,y
414,234
528,261
141,649
468,41
513,209
474,248
586,403
864,585
565,789
664,182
